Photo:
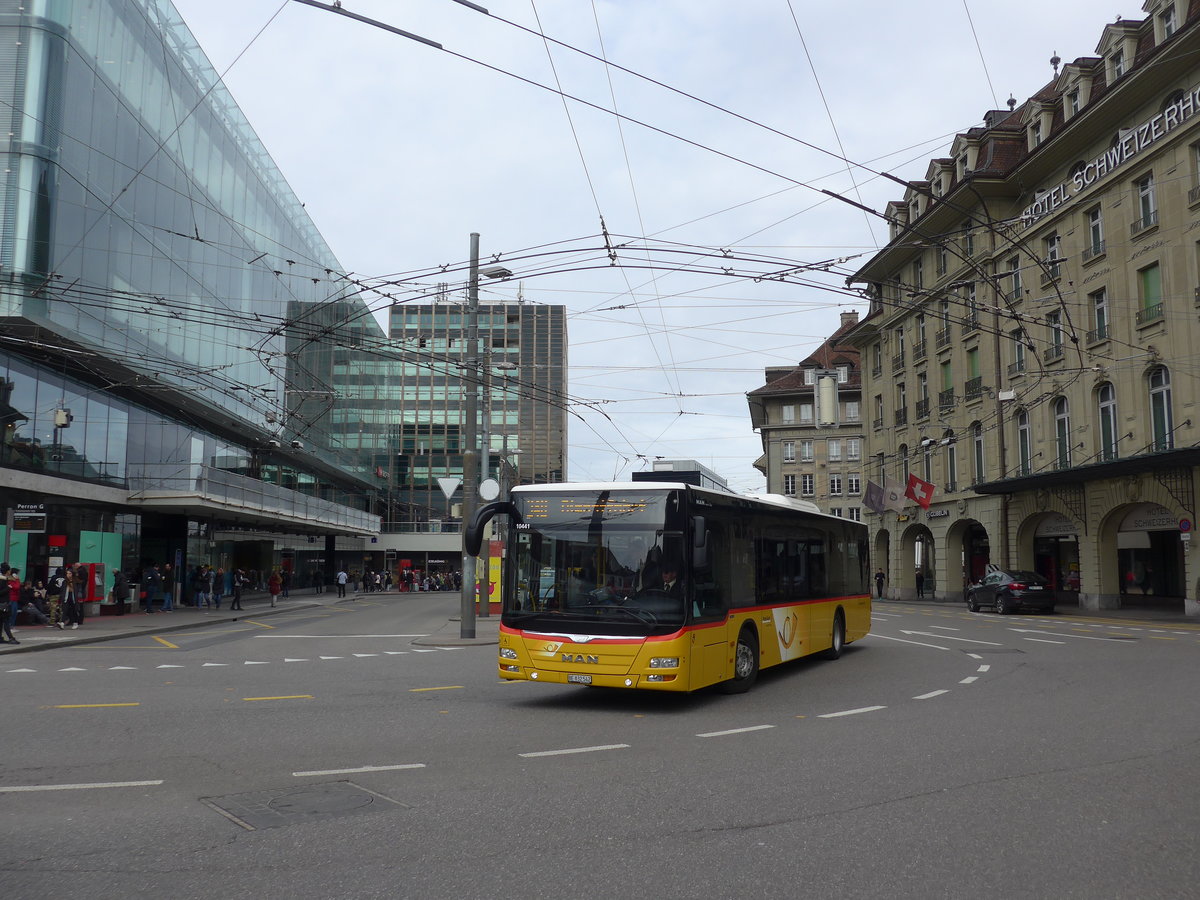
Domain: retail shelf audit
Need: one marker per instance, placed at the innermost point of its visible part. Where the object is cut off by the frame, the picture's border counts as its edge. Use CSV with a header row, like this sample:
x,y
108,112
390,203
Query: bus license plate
x,y
579,679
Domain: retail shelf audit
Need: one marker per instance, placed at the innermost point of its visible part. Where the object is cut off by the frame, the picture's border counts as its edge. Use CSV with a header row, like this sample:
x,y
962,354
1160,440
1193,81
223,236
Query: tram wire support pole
x,y
470,441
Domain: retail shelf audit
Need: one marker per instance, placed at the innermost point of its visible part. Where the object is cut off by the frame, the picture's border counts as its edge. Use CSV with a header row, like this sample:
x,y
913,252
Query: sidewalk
x,y
1126,616
96,629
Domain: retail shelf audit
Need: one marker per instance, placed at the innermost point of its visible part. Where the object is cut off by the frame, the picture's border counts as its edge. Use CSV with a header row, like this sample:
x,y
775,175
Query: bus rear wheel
x,y
745,664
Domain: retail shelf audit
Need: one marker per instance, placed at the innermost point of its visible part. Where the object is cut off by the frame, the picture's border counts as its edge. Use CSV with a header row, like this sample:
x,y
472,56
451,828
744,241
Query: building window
x,y
788,413
807,485
1106,399
1147,207
902,453
1150,294
1024,443
1018,363
835,485
833,449
854,484
1053,245
810,376
855,514
918,273
968,240
806,451
789,451
789,485
1054,324
806,413
1014,274
1035,133
1073,103
835,511
1167,20
1118,64
854,449
977,452
843,374
852,412
1062,434
951,462
1162,418
1095,235
1099,304
927,462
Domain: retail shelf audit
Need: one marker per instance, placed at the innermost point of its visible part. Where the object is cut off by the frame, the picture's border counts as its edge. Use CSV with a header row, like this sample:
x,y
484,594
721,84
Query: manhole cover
x,y
313,802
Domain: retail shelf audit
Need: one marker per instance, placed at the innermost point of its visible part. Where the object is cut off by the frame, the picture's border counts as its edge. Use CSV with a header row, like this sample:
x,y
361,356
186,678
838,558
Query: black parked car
x,y
1008,592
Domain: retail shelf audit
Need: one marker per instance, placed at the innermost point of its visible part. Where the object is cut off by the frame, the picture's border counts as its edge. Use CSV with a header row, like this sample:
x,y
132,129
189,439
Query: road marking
x,y
165,642
121,668
332,657
1043,641
359,770
851,712
168,666
449,687
970,679
974,656
709,734
396,652
213,664
903,641
1082,637
289,659
931,694
983,669
1156,637
360,655
73,669
77,787
286,697
575,750
92,705
259,624
255,662
419,650
944,627
339,636
950,637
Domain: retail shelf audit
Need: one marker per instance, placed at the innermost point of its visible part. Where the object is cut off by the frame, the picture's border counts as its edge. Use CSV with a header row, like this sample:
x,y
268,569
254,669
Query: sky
x,y
671,200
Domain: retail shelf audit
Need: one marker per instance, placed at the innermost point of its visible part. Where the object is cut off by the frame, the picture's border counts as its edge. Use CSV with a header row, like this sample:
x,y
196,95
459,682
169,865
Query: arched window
x,y
1106,400
1162,420
1024,443
1062,434
977,452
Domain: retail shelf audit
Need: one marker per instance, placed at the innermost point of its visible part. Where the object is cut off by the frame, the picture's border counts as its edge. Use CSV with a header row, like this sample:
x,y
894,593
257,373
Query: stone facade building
x,y
1030,343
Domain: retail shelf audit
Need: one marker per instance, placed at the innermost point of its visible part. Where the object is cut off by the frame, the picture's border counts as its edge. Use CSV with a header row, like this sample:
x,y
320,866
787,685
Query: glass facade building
x,y
171,315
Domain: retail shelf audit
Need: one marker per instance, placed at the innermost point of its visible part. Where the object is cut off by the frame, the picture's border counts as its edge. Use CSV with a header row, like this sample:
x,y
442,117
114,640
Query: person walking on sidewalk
x,y
920,583
12,590
274,586
120,591
239,579
54,597
879,580
168,588
72,609
341,578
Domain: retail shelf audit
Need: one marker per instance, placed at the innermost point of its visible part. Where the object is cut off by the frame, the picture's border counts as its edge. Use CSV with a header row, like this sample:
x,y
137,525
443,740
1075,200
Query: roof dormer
x,y
1167,17
940,176
1074,85
1117,47
897,216
1039,118
965,153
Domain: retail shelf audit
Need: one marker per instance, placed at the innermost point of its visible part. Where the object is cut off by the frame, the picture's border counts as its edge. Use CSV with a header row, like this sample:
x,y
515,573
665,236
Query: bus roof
x,y
770,499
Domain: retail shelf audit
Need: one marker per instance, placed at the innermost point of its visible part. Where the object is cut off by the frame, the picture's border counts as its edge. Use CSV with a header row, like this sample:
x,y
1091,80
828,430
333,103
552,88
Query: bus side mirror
x,y
699,542
473,535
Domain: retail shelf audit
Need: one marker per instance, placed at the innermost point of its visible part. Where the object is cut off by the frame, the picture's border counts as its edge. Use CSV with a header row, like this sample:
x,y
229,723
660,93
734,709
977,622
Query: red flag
x,y
919,491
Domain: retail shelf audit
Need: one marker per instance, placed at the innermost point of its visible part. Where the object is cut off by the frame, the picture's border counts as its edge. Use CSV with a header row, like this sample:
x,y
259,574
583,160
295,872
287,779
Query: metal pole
x,y
470,441
485,462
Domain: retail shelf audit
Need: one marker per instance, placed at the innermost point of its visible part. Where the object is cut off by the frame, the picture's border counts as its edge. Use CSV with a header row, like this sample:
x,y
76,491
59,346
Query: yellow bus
x,y
669,586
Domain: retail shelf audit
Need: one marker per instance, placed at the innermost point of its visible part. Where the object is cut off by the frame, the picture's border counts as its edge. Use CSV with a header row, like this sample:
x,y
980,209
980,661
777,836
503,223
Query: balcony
x,y
974,387
971,324
877,371
1052,353
898,362
946,399
1016,368
878,422
1148,221
919,349
902,416
1093,252
923,409
1096,335
1149,314
1194,195
942,338
1051,272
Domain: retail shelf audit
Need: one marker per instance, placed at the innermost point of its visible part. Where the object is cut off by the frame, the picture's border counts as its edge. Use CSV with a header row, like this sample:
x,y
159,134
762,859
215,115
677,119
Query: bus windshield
x,y
609,562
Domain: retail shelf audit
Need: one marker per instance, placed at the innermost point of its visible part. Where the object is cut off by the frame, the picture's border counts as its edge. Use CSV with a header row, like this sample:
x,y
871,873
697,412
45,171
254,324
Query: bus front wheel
x,y
838,639
745,663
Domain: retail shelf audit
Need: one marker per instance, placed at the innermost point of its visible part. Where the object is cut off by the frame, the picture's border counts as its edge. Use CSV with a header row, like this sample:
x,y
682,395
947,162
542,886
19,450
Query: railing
x,y
415,527
971,324
172,485
1051,353
1051,272
902,416
974,387
942,338
1096,335
897,361
1150,314
1147,221
876,371
946,399
923,408
1194,195
1093,251
878,422
919,351
1016,368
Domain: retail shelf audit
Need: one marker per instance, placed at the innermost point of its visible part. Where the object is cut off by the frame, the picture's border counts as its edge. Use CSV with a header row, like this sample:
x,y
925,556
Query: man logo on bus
x,y
580,658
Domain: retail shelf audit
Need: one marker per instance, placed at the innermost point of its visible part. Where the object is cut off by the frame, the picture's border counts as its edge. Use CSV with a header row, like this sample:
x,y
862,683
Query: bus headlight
x,y
508,653
664,662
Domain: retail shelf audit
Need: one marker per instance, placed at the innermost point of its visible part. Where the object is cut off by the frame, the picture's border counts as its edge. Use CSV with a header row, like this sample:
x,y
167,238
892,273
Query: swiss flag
x,y
919,491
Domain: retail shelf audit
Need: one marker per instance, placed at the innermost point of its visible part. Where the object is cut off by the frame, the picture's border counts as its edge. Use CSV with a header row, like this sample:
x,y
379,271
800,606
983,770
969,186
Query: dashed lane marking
x,y
575,750
358,771
931,695
91,705
851,712
165,642
448,687
285,697
709,734
77,787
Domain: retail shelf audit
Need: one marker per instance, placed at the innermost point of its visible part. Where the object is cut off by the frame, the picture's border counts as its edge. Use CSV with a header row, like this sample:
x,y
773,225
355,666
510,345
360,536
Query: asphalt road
x,y
322,753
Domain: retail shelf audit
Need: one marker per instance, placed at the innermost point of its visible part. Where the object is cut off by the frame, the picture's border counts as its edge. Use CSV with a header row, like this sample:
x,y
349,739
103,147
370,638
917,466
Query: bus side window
x,y
711,583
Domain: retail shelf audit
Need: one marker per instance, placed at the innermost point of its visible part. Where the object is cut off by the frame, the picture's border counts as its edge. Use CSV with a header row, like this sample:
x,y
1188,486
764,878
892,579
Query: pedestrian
x,y
152,585
218,587
30,607
274,586
285,581
168,588
239,578
13,591
920,583
319,577
72,609
341,577
54,595
120,591
879,579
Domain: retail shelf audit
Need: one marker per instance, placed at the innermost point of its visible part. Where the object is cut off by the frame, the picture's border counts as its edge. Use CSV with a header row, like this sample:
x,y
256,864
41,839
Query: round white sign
x,y
489,489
